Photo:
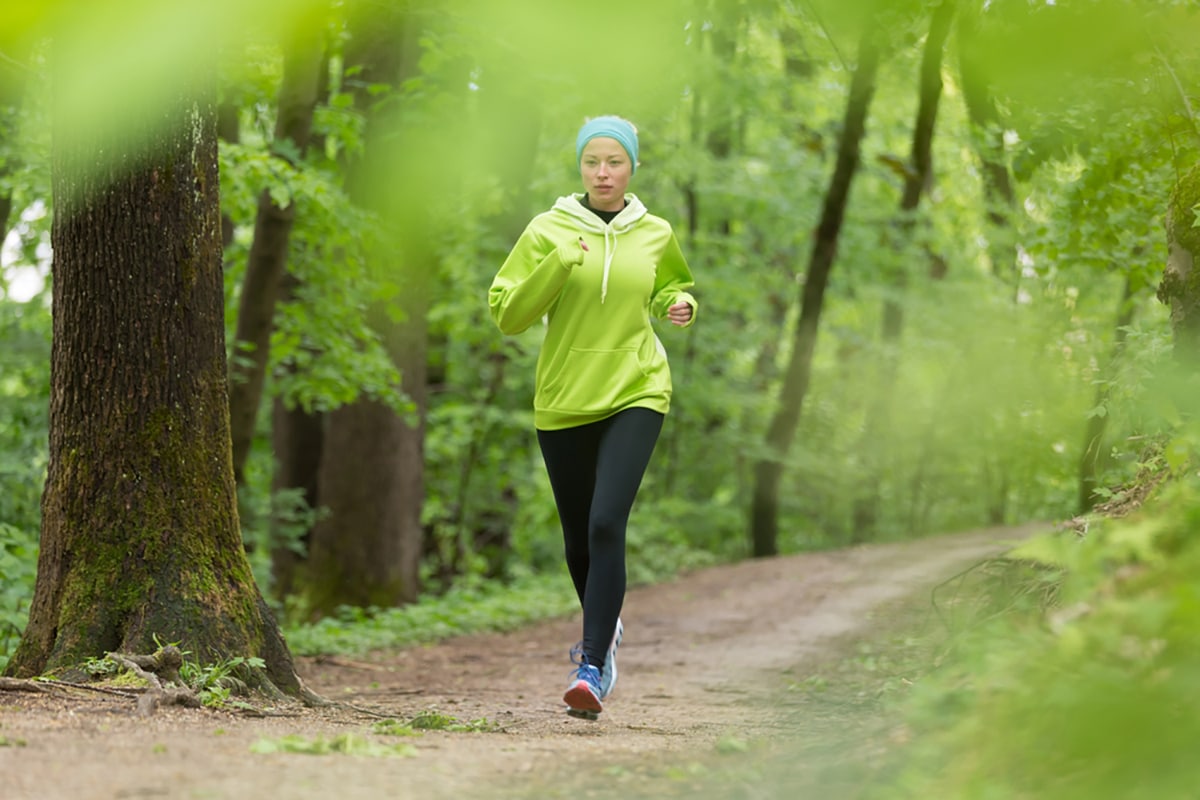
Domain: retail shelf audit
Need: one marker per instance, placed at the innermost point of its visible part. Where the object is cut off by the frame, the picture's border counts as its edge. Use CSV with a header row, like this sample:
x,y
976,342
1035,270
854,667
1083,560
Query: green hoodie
x,y
600,354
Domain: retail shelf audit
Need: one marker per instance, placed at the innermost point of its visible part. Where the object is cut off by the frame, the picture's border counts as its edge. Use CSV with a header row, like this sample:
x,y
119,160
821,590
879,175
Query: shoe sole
x,y
581,701
579,713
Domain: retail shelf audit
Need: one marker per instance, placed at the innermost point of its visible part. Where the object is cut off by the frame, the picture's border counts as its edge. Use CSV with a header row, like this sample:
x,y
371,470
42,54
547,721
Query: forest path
x,y
716,690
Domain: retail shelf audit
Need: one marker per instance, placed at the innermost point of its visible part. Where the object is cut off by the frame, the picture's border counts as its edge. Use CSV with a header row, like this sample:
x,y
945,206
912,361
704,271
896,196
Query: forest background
x,y
929,241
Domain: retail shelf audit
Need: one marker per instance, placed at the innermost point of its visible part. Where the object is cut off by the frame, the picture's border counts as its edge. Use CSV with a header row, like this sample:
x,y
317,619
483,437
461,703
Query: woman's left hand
x,y
680,313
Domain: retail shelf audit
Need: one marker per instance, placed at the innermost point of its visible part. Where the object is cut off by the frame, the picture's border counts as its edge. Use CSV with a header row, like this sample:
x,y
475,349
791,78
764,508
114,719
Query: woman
x,y
595,267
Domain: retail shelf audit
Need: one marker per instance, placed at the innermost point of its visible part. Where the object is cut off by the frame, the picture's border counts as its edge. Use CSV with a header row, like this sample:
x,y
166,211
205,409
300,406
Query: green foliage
x,y
1085,698
24,406
996,373
215,683
324,354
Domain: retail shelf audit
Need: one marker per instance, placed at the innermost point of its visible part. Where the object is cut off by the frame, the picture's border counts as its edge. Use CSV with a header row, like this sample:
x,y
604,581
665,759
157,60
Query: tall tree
x,y
918,175
768,470
140,540
367,551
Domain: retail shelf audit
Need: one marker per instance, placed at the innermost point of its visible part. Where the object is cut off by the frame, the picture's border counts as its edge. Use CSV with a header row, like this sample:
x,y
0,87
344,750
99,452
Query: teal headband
x,y
614,128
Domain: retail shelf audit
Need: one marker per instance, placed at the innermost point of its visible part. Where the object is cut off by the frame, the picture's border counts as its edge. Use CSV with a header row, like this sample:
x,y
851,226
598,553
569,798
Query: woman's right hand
x,y
571,257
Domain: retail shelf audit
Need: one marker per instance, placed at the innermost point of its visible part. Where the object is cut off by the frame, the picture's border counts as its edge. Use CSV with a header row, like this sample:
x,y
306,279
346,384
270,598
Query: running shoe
x,y
583,694
608,675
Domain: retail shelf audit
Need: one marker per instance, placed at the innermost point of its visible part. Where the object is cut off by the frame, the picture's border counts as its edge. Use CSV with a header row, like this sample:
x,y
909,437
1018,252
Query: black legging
x,y
595,471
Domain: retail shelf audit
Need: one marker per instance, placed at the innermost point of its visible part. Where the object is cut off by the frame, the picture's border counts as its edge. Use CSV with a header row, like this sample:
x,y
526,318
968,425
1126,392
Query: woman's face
x,y
605,169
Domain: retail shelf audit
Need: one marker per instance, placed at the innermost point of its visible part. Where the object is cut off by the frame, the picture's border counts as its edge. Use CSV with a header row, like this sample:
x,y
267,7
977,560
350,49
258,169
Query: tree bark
x,y
768,471
140,536
917,179
267,261
372,478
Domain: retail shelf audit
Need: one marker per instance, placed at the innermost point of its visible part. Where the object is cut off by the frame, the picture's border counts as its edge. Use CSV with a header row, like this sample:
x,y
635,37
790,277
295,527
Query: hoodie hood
x,y
586,220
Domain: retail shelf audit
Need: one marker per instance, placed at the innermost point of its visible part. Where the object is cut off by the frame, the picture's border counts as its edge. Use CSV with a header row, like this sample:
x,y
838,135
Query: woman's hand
x,y
680,313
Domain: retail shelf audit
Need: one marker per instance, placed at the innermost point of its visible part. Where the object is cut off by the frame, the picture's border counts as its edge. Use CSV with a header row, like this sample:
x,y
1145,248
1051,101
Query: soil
x,y
761,679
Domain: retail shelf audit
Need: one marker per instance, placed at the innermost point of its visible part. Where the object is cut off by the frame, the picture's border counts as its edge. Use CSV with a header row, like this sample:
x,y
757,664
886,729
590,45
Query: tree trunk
x,y
999,196
267,261
140,538
372,480
1094,454
714,122
12,87
1180,287
917,178
479,519
297,441
768,471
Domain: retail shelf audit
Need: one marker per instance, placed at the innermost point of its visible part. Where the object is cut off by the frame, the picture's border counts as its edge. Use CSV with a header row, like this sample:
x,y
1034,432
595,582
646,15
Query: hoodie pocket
x,y
593,380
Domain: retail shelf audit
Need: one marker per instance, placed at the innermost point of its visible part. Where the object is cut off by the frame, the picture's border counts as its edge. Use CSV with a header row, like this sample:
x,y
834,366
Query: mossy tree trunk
x,y
140,536
768,470
1180,287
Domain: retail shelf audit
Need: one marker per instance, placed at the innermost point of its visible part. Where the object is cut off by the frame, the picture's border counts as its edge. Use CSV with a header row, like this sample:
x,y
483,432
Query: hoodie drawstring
x,y
609,252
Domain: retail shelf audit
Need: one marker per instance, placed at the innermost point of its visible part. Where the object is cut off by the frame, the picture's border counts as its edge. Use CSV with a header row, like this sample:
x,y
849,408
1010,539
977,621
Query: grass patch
x,y
434,720
343,744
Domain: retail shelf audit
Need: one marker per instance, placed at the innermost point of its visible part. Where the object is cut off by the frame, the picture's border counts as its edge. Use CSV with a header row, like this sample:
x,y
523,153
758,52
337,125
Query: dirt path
x,y
710,665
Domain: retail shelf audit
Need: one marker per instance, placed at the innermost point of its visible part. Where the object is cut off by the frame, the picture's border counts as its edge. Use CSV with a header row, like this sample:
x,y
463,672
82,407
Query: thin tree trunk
x,y
1094,456
768,471
297,435
999,195
12,90
717,130
140,539
298,441
917,178
267,262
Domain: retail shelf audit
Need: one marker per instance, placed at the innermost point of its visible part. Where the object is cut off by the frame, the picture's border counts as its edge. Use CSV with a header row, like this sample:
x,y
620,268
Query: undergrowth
x,y
474,608
1074,669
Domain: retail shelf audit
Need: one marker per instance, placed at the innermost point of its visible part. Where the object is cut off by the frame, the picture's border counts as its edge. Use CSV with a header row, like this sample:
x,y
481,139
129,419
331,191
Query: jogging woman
x,y
596,267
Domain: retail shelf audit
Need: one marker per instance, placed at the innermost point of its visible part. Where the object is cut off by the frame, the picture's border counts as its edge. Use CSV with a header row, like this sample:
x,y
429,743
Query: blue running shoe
x,y
608,675
583,694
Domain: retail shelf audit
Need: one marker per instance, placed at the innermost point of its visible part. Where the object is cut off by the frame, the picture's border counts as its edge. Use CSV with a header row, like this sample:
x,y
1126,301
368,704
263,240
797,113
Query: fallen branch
x,y
88,687
21,685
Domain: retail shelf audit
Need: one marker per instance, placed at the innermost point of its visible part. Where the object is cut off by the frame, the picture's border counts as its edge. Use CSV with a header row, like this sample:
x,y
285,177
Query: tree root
x,y
166,661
